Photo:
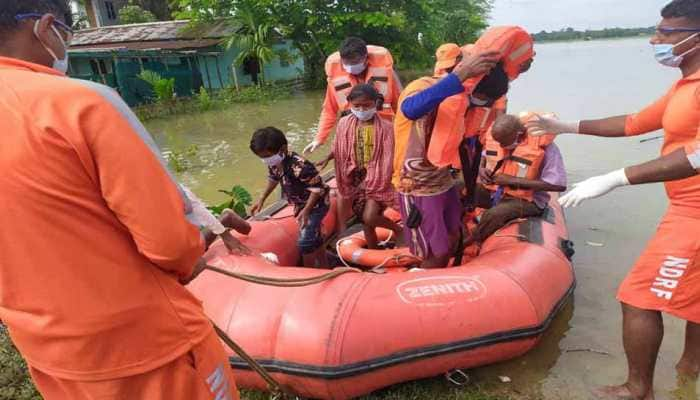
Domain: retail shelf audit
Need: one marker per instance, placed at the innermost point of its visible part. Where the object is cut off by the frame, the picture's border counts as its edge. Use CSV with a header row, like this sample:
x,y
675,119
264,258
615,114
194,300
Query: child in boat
x,y
302,186
517,170
364,154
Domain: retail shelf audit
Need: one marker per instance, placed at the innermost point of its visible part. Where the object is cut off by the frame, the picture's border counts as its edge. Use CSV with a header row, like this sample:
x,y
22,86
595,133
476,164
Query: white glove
x,y
540,126
594,187
201,215
311,147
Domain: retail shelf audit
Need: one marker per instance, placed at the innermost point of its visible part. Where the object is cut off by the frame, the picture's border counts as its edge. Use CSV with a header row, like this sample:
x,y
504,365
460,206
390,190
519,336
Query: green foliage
x,y
204,99
164,89
572,34
221,99
134,14
182,160
254,39
411,29
459,21
238,199
15,383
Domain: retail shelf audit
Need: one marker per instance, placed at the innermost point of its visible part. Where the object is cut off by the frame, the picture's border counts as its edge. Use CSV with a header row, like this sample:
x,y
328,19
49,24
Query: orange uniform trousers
x,y
667,275
201,374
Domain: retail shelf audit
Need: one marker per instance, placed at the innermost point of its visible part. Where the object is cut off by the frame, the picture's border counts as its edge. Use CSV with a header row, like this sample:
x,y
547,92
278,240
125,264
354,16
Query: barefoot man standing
x,y
666,278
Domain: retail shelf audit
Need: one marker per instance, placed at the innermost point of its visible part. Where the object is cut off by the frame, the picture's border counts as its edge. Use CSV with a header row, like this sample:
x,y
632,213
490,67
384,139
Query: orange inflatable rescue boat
x,y
363,331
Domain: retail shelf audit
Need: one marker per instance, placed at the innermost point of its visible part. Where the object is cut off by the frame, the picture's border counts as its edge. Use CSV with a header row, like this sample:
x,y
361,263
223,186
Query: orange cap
x,y
446,56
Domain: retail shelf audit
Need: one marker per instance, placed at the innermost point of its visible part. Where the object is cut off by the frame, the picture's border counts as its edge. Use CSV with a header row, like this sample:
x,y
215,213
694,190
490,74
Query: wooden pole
x,y
235,76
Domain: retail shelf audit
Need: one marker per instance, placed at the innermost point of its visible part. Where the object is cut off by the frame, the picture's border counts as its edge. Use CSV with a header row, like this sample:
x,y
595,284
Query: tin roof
x,y
151,35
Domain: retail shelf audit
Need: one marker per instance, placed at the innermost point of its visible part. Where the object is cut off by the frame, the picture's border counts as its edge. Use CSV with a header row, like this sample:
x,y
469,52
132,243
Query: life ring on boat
x,y
353,250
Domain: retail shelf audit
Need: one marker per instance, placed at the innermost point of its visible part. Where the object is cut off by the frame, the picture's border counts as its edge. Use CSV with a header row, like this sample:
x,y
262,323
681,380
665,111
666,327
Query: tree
x,y
411,29
159,8
134,14
460,21
253,39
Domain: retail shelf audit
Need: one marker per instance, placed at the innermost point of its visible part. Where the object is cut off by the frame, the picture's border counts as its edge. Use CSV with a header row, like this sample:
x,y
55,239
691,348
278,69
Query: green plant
x,y
204,99
181,160
239,199
133,14
164,89
217,100
254,40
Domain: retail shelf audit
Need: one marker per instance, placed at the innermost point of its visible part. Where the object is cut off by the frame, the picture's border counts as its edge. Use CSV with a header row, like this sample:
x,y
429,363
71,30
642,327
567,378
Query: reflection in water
x,y
575,80
222,138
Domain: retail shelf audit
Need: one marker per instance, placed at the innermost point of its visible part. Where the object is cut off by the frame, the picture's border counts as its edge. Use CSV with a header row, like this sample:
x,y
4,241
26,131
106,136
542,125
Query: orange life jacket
x,y
445,132
380,72
525,161
514,43
453,122
478,121
448,132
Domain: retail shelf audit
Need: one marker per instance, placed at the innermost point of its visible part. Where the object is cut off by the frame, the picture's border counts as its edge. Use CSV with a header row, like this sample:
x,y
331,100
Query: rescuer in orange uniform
x,y
356,63
666,278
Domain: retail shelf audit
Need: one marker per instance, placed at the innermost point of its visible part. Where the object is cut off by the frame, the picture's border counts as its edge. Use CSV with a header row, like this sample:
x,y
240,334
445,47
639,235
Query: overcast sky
x,y
537,15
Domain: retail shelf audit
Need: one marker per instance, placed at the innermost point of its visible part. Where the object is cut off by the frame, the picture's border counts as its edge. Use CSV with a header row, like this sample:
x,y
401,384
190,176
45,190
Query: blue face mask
x,y
664,53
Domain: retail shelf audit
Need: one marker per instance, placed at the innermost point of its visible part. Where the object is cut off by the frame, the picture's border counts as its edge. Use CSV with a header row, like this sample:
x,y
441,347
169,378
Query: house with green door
x,y
196,56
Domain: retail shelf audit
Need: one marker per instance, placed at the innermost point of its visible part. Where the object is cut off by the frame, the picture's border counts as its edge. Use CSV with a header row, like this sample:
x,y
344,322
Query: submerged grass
x,y
15,384
205,101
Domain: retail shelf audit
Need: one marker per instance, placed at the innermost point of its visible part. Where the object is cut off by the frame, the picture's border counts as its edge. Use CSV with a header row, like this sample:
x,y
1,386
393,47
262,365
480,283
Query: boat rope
x,y
276,391
273,218
284,282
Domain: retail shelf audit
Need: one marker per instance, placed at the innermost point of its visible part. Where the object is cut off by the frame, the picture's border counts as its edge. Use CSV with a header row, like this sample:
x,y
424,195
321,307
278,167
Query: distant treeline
x,y
572,34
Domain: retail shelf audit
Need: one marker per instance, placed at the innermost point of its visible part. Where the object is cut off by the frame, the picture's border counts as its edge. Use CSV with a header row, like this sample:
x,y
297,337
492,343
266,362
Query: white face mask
x,y
60,65
273,161
515,144
476,102
364,115
664,53
355,69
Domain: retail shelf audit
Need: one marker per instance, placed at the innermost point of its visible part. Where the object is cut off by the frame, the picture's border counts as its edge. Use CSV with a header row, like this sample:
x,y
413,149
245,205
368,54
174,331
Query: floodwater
x,y
583,348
